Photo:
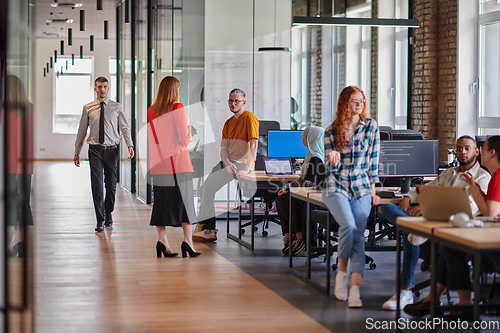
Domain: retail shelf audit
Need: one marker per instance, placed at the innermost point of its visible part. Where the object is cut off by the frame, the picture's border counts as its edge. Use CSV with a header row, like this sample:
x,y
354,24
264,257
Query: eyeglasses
x,y
237,101
355,101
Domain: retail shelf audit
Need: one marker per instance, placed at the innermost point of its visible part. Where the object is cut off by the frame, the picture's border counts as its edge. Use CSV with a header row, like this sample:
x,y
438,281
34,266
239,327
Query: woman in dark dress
x,y
170,167
313,139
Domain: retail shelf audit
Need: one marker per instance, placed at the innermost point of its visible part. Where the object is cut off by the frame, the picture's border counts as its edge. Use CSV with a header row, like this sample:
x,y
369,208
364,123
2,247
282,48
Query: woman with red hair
x,y
352,146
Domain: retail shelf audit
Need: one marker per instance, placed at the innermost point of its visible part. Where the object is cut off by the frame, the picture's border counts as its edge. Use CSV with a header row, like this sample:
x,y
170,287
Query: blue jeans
x,y
351,216
410,252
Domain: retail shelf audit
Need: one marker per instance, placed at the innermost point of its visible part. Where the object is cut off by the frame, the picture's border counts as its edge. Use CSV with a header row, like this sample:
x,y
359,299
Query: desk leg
x,y
290,252
477,292
308,243
433,279
239,212
252,224
227,207
328,256
398,272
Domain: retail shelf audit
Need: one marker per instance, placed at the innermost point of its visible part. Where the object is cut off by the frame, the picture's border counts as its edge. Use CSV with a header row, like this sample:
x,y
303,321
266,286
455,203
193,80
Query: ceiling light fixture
x,y
59,20
99,5
355,21
66,4
275,48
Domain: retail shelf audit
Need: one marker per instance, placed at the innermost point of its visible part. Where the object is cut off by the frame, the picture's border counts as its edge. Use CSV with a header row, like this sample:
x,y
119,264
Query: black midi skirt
x,y
173,200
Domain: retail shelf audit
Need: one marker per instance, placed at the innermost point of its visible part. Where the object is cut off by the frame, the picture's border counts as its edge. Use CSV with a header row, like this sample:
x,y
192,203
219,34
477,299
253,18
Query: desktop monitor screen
x,y
409,158
285,144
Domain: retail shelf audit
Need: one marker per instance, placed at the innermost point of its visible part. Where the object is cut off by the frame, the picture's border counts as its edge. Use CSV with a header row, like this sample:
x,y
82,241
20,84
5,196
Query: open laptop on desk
x,y
438,203
278,166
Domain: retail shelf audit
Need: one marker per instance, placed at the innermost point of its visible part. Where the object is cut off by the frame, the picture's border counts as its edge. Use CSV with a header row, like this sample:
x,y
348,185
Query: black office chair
x,y
406,135
385,135
265,191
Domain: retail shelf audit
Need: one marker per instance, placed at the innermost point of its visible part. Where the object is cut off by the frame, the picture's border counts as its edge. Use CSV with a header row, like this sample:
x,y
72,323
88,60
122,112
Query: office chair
x,y
385,135
265,191
406,135
385,128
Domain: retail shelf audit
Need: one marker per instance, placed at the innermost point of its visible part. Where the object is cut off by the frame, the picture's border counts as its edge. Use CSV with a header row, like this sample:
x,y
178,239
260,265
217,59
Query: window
x,y
488,117
73,89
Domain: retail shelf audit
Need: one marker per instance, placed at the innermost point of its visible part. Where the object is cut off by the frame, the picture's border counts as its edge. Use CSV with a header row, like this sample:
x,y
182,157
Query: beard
x,y
467,162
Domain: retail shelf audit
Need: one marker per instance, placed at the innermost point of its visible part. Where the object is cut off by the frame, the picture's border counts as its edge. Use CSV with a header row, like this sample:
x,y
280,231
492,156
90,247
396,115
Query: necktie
x,y
101,124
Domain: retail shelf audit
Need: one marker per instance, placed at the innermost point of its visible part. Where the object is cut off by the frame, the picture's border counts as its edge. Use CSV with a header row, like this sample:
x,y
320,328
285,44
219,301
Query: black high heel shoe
x,y
186,248
160,248
17,249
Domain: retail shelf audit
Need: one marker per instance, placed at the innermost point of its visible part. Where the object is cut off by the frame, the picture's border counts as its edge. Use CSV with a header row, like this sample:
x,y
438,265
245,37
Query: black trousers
x,y
453,270
103,163
299,211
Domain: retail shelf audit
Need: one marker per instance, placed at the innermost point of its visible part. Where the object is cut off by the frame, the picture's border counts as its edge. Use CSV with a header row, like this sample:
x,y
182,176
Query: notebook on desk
x,y
438,203
278,166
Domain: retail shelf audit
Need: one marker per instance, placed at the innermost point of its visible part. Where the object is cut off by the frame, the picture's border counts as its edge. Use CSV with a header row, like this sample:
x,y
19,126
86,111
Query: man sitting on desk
x,y
466,151
238,151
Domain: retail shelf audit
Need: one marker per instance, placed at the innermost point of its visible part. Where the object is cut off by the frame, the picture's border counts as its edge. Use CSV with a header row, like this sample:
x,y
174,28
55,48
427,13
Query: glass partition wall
x,y
16,167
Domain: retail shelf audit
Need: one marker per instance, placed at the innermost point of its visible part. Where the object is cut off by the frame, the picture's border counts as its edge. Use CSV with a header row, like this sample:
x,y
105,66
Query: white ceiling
x,y
94,20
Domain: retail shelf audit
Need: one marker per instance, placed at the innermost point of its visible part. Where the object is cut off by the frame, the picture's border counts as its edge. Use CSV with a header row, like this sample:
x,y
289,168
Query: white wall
x,y
47,144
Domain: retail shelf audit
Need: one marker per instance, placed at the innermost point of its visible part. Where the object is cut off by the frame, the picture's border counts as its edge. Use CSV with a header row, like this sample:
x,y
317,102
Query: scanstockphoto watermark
x,y
429,324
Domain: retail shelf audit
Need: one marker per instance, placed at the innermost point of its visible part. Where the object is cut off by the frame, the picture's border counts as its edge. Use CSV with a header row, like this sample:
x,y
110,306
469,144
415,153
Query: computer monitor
x,y
408,158
480,139
285,143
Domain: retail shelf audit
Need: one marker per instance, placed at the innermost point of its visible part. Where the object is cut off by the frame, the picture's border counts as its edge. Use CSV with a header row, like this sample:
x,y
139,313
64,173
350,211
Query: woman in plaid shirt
x,y
352,147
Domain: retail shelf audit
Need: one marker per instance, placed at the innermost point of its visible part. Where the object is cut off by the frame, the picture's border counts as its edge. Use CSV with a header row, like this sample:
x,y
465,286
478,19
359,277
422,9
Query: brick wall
x,y
315,68
434,72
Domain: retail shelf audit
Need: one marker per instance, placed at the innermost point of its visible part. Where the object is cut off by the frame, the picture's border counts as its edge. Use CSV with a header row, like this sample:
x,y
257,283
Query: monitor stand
x,y
405,184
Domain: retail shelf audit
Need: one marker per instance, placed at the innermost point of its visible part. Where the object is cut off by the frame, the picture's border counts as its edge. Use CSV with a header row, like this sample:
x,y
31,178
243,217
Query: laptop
x,y
278,166
438,203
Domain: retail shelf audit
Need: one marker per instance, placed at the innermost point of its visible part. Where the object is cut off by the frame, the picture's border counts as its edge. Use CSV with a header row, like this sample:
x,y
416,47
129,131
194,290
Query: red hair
x,y
168,95
343,114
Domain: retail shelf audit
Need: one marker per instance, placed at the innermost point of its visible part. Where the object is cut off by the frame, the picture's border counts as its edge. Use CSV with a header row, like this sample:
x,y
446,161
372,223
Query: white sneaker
x,y
354,300
416,240
405,298
341,286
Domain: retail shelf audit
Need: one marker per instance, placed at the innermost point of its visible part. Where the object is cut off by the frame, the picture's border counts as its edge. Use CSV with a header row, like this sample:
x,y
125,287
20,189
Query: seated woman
x,y
312,138
452,269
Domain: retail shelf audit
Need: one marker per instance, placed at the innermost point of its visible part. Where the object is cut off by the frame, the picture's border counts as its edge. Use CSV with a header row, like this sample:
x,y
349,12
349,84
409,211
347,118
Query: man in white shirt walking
x,y
103,116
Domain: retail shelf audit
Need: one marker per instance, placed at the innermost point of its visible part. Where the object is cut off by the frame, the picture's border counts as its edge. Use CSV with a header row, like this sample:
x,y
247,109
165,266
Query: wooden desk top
x,y
422,225
260,176
486,238
302,192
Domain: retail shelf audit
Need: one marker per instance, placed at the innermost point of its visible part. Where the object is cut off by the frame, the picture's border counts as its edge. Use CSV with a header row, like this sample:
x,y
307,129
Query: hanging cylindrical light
x,y
62,47
99,5
72,59
91,42
50,62
55,55
81,52
106,30
70,36
127,11
44,73
82,20
47,67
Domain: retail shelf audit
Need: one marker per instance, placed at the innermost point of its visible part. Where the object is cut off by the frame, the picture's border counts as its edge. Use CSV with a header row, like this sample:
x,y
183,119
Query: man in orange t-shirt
x,y
239,143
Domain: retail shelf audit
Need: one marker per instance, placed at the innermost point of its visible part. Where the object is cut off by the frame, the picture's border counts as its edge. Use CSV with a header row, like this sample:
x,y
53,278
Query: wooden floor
x,y
113,282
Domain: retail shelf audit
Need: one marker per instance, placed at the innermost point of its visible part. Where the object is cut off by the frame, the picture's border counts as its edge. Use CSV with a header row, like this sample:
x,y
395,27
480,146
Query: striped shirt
x,y
358,165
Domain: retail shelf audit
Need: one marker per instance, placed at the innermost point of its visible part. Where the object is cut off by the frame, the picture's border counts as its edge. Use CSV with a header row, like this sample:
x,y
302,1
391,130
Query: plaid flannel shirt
x,y
358,165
